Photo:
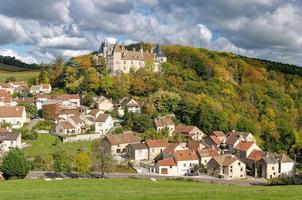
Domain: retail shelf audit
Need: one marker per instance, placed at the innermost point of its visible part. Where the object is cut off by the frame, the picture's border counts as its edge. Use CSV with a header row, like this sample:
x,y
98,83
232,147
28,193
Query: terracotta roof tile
x,y
123,138
157,143
256,155
167,162
164,121
11,111
208,153
218,133
183,155
244,145
102,117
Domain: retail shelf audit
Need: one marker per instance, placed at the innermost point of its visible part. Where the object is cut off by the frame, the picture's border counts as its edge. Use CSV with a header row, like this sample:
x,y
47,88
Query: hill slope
x,y
212,90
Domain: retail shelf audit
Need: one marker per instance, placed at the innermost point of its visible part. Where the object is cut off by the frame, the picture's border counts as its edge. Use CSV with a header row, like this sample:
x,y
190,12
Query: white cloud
x,y
12,53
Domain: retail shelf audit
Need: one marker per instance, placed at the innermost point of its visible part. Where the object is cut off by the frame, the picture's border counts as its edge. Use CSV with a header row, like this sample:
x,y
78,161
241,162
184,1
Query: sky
x,y
40,30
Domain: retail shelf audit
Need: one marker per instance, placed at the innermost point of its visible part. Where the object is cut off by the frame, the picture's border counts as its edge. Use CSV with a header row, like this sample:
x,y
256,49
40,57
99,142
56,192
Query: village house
x,y
41,99
9,140
233,138
189,132
71,126
94,113
165,123
104,104
197,145
129,104
155,147
212,141
205,155
185,161
14,87
103,124
66,127
137,151
267,167
167,152
264,164
118,59
166,166
220,135
226,167
40,89
13,115
286,164
115,144
68,100
244,148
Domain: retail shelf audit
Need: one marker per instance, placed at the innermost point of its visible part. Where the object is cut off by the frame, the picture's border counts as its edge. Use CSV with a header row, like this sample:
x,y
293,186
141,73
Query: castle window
x,y
125,62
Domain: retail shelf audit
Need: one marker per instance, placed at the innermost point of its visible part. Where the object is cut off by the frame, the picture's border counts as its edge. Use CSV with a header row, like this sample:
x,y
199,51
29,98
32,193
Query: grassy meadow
x,y
95,189
46,144
19,75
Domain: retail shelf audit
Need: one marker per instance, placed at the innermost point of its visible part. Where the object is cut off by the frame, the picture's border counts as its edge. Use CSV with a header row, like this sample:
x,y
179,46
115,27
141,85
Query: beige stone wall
x,y
153,152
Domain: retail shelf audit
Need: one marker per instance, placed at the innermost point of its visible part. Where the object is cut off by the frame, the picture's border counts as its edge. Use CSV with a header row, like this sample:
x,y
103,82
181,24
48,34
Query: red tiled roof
x,y
167,162
102,117
164,121
157,143
11,111
208,153
183,129
244,145
170,148
218,133
183,155
123,138
225,160
66,96
215,139
256,155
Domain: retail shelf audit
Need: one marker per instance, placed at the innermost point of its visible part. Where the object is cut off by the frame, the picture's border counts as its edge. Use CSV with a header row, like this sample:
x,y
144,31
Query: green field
x,y
19,75
45,145
93,189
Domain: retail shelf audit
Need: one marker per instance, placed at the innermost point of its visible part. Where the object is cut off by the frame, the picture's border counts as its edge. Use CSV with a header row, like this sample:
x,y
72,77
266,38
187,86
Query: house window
x,y
118,151
190,164
274,173
185,164
273,168
170,166
239,163
205,161
153,150
241,169
231,170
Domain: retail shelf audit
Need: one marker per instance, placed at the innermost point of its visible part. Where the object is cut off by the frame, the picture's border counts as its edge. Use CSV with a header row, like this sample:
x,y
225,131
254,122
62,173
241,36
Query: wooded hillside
x,y
212,90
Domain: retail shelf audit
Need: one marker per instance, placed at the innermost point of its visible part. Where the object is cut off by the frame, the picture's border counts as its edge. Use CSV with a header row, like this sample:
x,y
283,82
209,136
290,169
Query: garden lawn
x,y
108,189
46,144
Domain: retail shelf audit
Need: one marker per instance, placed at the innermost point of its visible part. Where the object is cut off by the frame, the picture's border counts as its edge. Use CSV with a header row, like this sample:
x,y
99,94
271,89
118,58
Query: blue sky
x,y
38,31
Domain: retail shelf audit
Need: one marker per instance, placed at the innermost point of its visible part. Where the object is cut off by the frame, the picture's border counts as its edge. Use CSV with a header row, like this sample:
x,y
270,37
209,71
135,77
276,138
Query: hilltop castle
x,y
119,59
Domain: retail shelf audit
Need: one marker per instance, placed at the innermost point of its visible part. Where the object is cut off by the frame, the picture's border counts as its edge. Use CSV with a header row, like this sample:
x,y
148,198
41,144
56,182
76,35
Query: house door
x,y
164,171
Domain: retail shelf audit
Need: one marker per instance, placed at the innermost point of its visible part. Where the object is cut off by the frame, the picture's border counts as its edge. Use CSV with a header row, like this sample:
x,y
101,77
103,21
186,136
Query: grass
x,y
94,189
19,75
44,145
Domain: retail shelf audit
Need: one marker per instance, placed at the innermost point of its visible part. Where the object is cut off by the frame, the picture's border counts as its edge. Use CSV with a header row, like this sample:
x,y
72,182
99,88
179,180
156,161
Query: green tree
x,y
15,165
61,161
43,77
82,163
166,102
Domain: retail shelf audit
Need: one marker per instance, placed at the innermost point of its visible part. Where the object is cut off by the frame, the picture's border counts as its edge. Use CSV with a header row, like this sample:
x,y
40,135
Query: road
x,y
202,178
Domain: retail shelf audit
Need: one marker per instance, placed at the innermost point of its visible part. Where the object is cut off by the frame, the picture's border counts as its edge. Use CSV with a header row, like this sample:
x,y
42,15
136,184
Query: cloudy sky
x,y
40,30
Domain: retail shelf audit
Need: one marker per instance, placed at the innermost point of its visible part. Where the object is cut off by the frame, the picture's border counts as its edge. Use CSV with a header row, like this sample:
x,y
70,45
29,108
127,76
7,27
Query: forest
x,y
211,90
12,61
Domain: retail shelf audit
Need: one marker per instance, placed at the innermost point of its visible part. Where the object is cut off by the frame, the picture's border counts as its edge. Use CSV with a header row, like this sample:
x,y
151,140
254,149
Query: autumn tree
x,y
82,163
